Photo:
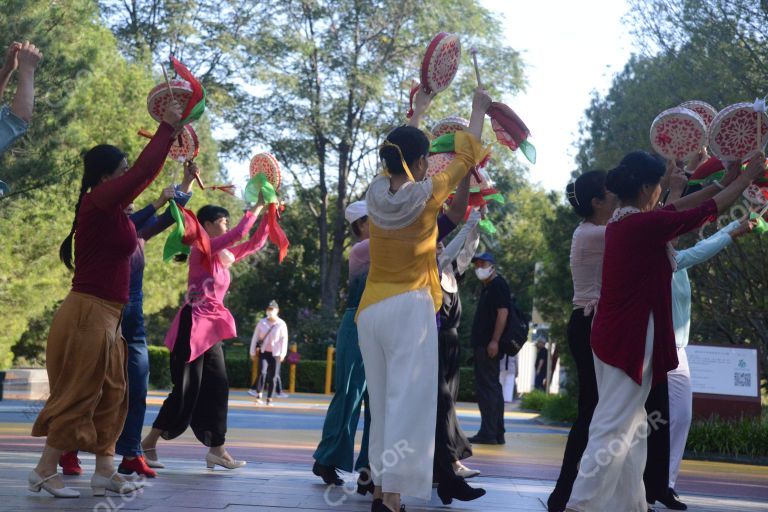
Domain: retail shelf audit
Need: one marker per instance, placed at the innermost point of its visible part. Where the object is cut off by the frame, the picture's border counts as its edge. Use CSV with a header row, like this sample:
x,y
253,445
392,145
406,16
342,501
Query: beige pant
x,y
85,360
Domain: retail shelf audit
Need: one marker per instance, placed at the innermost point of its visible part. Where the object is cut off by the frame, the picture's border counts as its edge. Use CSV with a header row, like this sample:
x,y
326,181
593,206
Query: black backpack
x,y
515,332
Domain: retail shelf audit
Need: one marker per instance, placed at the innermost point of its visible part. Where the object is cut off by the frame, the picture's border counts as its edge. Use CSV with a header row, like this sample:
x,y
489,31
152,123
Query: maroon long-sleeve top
x,y
637,281
105,237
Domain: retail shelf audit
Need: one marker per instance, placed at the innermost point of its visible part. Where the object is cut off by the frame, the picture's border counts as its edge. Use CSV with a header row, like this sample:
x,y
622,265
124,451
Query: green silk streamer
x,y
259,185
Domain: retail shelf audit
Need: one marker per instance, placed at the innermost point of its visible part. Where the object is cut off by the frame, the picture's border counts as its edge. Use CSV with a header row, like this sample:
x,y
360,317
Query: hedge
x,y
310,375
746,437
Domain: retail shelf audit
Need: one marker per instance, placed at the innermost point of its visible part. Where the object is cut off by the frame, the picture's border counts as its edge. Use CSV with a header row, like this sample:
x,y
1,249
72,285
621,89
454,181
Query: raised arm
x,y
463,245
9,66
468,149
127,187
28,57
181,194
460,201
421,102
707,248
233,235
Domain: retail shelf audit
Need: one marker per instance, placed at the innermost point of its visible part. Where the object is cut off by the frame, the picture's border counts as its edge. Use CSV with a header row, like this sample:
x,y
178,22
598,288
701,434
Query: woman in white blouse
x,y
595,205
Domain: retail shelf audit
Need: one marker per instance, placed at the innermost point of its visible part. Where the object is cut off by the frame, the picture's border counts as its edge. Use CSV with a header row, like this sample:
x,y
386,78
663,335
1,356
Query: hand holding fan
x,y
265,181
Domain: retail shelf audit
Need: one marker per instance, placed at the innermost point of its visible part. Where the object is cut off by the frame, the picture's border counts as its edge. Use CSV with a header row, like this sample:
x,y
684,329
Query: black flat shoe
x,y
672,501
483,440
379,506
365,482
458,489
327,473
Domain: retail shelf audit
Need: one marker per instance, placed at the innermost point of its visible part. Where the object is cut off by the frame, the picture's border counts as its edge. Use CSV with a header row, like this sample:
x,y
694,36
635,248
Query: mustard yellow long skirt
x,y
85,361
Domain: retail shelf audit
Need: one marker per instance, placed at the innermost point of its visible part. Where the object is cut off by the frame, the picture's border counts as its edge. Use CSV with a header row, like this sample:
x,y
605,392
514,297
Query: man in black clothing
x,y
541,365
487,328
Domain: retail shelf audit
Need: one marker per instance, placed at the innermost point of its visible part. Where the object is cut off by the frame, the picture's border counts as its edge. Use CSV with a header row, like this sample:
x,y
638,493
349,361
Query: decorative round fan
x,y
678,133
733,135
440,63
267,164
159,97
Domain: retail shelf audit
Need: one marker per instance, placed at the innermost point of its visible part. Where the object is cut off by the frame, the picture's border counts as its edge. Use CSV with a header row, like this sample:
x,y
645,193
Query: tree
x,y
86,94
325,81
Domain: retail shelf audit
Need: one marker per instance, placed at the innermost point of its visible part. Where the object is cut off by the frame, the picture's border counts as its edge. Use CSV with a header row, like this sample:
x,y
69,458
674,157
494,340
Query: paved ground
x,y
278,443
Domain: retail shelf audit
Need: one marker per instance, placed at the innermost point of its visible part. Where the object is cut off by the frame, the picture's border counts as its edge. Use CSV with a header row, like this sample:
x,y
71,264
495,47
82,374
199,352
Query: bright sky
x,y
570,49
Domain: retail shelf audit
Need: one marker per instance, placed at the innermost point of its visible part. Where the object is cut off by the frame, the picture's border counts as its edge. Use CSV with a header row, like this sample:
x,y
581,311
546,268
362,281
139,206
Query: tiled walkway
x,y
278,444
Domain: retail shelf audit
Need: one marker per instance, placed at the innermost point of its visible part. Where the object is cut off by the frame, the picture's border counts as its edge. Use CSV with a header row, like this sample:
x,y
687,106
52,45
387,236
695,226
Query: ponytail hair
x,y
404,143
588,186
100,161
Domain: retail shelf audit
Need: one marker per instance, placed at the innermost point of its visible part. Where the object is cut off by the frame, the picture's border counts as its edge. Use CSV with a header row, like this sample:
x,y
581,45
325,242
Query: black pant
x,y
450,442
656,476
490,396
578,334
200,393
269,372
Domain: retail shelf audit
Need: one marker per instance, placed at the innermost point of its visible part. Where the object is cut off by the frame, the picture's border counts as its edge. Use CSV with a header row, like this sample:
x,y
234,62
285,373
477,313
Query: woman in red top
x,y
85,354
632,337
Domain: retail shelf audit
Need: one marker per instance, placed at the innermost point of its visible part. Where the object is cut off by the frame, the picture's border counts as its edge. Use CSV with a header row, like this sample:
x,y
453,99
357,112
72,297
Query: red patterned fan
x,y
186,146
733,134
451,124
160,97
704,109
267,164
678,133
440,63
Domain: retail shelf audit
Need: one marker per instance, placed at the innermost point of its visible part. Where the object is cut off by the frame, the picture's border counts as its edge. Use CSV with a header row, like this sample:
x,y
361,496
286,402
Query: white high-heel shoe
x,y
212,460
101,484
153,463
36,483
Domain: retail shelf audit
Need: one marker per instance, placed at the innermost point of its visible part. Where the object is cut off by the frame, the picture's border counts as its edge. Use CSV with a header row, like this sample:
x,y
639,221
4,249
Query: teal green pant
x,y
337,447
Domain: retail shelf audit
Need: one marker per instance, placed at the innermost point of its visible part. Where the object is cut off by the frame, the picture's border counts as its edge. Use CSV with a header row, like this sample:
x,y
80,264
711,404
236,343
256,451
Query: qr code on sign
x,y
742,379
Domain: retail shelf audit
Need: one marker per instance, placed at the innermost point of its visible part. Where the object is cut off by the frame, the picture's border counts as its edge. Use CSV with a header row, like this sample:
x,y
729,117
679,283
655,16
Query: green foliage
x,y
559,408
86,94
736,438
29,351
159,367
533,400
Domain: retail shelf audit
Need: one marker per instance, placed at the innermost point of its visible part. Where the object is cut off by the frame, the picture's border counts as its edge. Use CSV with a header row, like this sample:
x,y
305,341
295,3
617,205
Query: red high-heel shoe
x,y
137,465
70,464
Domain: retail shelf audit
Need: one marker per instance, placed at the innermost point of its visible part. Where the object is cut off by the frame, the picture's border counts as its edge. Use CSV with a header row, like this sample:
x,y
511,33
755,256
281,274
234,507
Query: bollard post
x,y
329,369
254,367
292,372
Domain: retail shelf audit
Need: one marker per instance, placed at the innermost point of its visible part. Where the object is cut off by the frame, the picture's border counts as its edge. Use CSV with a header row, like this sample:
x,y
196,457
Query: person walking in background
x,y
14,120
271,338
487,328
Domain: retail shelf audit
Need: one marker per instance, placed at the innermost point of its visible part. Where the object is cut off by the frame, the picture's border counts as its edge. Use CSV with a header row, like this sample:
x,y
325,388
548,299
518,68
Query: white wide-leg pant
x,y
398,340
680,413
610,476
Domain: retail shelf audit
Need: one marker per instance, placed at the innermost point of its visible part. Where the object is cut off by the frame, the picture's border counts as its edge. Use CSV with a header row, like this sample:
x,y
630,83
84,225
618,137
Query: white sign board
x,y
723,370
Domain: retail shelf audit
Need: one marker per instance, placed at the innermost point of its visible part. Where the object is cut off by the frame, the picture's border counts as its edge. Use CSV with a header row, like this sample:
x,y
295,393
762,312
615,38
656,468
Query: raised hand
x,y
756,166
28,56
172,114
11,57
481,101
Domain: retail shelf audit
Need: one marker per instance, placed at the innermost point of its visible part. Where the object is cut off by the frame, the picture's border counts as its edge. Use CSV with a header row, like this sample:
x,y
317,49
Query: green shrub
x,y
533,400
560,408
738,438
159,367
466,385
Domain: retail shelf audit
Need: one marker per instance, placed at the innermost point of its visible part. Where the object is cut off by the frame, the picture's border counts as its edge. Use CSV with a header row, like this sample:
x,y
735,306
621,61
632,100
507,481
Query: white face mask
x,y
272,313
483,273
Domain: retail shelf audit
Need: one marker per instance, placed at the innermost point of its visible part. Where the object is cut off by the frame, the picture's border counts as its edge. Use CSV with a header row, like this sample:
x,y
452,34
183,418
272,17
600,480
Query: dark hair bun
x,y
588,186
635,170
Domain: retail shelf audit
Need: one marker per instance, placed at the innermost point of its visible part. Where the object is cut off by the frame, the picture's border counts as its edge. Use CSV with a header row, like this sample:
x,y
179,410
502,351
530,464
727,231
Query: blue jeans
x,y
129,444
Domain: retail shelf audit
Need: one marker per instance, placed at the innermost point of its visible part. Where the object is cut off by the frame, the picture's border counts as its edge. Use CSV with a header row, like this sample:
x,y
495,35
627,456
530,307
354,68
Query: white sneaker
x,y
36,483
283,395
260,401
255,393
